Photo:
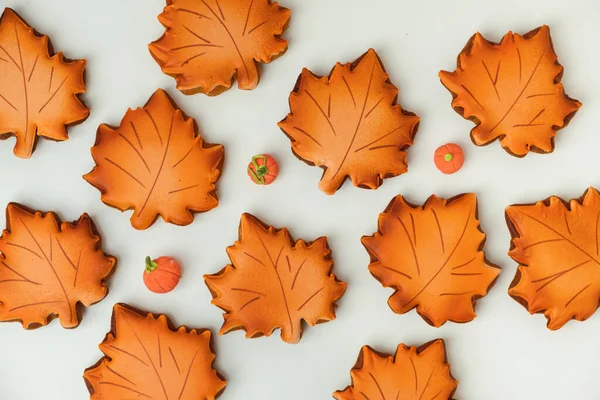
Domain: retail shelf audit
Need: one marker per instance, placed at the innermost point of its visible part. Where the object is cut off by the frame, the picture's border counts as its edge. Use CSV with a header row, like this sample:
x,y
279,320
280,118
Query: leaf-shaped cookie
x,y
350,124
50,268
156,163
38,90
208,42
511,91
146,357
275,282
432,257
557,246
413,373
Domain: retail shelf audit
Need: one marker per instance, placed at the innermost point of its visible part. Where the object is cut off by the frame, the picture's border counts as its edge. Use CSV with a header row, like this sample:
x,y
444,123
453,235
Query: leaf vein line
x,y
322,112
285,302
53,94
412,246
577,294
360,119
229,33
9,56
51,267
522,91
162,163
196,35
18,274
187,375
125,171
256,27
247,17
564,237
136,151
445,262
298,273
378,139
125,387
439,227
378,386
308,135
310,298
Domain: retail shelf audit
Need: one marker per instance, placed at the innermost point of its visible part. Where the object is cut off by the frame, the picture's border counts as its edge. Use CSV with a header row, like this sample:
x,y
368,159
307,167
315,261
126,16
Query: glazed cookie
x,y
156,163
556,244
50,269
39,90
275,282
512,91
412,373
208,43
432,257
349,124
145,355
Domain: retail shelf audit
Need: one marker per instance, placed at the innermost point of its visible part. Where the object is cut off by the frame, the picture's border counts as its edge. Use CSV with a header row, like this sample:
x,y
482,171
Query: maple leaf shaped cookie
x,y
411,374
49,268
275,282
512,91
146,357
208,42
38,90
431,256
350,124
557,246
156,163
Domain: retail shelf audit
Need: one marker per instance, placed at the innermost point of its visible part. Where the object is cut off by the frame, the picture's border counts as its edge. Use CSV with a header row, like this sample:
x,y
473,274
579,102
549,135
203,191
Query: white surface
x,y
503,354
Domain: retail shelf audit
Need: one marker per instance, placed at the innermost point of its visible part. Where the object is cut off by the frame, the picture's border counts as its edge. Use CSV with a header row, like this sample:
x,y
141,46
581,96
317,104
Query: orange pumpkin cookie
x,y
275,282
449,158
349,124
413,373
156,163
50,269
511,91
208,43
557,246
146,356
432,257
39,90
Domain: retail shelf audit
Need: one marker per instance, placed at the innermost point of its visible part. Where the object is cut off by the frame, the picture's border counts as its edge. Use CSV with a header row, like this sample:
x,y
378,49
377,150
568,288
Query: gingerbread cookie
x,y
208,43
39,90
275,282
412,373
512,91
50,269
557,246
146,356
156,163
349,124
432,257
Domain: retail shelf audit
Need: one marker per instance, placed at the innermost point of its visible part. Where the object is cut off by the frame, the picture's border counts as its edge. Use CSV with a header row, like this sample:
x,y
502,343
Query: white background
x,y
503,354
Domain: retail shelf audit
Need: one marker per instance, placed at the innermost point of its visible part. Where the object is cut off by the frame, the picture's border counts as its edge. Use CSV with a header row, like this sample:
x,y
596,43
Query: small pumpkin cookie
x,y
511,91
432,257
349,124
412,373
449,158
156,163
557,246
39,90
208,43
275,282
145,356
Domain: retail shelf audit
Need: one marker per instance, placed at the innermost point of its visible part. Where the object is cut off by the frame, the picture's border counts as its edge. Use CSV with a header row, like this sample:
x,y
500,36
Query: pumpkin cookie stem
x,y
261,170
150,265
